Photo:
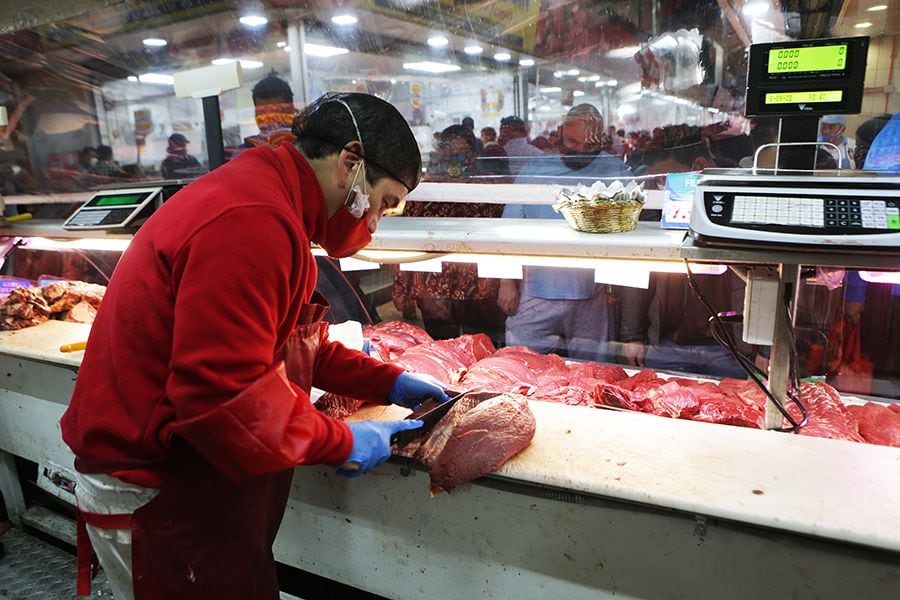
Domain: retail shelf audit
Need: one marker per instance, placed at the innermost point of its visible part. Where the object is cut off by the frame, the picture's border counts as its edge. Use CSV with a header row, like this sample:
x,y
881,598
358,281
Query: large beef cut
x,y
878,424
480,433
446,360
828,416
337,406
394,337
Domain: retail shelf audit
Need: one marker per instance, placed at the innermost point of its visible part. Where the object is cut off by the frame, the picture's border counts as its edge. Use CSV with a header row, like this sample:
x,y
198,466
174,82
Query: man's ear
x,y
346,163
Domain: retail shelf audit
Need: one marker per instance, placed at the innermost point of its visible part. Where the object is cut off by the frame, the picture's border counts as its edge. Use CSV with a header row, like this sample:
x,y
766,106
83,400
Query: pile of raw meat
x,y
470,361
75,301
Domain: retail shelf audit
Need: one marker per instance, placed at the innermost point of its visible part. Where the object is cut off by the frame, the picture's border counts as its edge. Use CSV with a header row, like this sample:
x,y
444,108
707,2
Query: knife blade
x,y
429,412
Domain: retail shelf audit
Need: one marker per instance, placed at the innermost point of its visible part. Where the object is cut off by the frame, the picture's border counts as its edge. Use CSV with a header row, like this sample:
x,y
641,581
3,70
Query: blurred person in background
x,y
555,309
456,300
105,164
273,102
178,164
488,136
469,123
832,130
514,139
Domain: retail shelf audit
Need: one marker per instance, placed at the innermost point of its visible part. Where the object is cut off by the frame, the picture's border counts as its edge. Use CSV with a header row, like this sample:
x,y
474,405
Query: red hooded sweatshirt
x,y
187,339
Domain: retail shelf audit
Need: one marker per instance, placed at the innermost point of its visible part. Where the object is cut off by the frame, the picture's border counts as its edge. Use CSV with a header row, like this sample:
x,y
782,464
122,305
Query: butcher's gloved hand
x,y
372,444
412,389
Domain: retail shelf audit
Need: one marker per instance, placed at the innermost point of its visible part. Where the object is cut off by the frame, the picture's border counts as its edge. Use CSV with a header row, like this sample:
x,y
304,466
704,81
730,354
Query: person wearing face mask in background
x,y
273,102
456,300
178,164
192,406
556,309
832,130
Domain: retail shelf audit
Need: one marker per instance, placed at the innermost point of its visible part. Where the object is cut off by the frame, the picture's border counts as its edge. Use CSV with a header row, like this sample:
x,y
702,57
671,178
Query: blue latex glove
x,y
412,389
372,444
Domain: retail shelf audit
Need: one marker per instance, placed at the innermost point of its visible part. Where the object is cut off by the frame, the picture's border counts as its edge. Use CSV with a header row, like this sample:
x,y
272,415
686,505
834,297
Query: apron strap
x,y
86,560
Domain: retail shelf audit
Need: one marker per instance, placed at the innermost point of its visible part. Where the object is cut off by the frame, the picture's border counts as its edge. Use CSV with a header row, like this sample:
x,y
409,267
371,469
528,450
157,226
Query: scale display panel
x,y
809,77
114,209
861,211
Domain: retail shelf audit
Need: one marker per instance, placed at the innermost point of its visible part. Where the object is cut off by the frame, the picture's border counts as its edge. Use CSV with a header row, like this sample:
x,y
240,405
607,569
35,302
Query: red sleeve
x,y
233,282
270,426
347,372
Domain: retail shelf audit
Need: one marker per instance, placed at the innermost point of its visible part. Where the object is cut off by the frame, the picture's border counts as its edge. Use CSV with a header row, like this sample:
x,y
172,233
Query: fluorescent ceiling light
x,y
155,42
880,276
438,41
281,44
322,51
573,72
473,49
246,63
526,62
160,78
626,52
756,9
877,7
345,19
577,93
253,20
132,78
502,56
863,25
594,78
430,67
550,90
286,48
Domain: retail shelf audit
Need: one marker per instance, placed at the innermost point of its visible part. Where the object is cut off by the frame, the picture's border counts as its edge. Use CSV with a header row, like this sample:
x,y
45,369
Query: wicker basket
x,y
600,215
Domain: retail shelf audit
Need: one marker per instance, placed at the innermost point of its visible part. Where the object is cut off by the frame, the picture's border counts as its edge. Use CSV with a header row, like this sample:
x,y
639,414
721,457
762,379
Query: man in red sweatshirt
x,y
191,406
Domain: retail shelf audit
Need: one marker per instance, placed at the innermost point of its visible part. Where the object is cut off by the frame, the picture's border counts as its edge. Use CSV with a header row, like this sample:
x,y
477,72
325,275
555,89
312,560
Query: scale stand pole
x,y
215,146
782,344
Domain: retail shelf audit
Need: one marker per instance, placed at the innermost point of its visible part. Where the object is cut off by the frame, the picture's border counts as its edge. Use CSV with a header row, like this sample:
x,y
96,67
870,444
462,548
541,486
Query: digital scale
x,y
125,207
847,209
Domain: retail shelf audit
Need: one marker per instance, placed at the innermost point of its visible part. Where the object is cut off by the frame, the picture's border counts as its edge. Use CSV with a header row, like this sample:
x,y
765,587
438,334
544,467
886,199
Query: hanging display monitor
x,y
809,77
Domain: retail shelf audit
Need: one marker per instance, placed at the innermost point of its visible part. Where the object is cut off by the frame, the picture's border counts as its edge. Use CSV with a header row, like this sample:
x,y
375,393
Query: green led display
x,y
804,97
119,200
808,60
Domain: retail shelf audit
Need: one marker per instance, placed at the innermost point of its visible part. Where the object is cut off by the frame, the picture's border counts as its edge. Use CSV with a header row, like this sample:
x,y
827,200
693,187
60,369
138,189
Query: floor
x,y
32,569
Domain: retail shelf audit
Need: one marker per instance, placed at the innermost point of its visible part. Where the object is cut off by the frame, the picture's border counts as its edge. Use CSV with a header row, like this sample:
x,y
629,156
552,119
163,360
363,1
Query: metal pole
x,y
780,359
520,88
215,147
299,68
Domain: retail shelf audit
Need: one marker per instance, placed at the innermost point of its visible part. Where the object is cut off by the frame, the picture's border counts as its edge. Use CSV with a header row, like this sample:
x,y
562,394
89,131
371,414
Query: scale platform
x,y
825,210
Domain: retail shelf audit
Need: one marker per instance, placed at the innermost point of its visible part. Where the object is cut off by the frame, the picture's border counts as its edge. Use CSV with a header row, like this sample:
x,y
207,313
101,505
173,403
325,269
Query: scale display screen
x,y
118,200
808,97
808,60
808,77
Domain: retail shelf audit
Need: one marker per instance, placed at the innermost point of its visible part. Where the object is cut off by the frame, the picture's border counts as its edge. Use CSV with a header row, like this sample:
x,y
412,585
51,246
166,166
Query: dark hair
x,y
458,131
272,86
325,127
515,123
468,122
104,152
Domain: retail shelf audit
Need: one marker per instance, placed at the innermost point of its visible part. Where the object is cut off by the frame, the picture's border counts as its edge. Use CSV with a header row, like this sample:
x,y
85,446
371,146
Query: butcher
x,y
191,407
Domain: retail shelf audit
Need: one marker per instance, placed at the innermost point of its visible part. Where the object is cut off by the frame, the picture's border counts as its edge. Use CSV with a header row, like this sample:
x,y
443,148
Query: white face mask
x,y
357,200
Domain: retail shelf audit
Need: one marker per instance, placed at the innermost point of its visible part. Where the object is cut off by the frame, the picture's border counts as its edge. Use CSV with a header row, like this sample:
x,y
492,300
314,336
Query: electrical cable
x,y
722,334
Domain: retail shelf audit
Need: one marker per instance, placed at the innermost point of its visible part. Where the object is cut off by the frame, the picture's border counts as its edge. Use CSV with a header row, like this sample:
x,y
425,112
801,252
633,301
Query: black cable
x,y
724,337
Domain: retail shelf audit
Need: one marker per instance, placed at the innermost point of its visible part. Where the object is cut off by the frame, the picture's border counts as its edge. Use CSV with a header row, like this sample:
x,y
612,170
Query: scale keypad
x,y
91,218
837,213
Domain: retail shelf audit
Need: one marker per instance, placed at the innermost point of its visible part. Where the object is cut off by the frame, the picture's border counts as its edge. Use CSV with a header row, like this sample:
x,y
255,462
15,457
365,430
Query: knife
x,y
429,412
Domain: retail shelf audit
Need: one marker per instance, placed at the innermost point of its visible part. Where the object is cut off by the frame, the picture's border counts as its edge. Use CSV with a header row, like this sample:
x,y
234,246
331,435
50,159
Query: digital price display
x,y
808,60
811,97
806,77
119,200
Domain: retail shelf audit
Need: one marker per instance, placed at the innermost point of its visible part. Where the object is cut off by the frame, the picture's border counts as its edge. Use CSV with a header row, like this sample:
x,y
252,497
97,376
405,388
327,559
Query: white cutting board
x,y
42,341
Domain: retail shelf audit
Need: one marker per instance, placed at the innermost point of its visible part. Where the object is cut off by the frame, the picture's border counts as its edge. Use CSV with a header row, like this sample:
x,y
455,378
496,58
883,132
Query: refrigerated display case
x,y
601,503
